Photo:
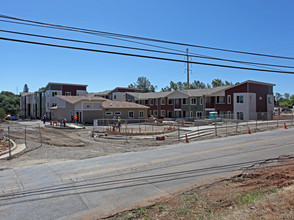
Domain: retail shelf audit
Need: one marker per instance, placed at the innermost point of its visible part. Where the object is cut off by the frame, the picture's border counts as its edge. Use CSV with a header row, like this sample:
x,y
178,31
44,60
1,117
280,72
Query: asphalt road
x,y
93,188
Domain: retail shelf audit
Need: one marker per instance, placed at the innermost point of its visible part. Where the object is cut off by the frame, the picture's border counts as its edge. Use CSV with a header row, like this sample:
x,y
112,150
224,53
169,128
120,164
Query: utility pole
x,y
188,82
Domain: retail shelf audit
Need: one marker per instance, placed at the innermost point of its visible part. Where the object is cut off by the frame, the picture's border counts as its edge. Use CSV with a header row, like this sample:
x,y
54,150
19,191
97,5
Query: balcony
x,y
210,105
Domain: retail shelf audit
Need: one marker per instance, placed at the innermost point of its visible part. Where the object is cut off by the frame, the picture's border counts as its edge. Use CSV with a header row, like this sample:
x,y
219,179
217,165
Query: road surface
x,y
97,187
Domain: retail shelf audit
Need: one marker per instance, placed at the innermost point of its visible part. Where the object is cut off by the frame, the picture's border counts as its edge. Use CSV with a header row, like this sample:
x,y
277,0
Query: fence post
x,y
236,126
126,130
40,135
9,147
256,120
179,133
226,128
215,126
25,135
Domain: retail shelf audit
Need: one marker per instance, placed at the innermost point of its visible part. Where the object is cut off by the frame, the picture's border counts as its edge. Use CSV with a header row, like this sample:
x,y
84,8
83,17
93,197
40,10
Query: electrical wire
x,y
149,39
142,56
147,50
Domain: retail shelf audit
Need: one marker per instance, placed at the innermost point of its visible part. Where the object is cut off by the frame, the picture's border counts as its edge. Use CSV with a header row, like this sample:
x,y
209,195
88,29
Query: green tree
x,y
217,82
278,97
2,114
287,96
9,102
25,88
144,84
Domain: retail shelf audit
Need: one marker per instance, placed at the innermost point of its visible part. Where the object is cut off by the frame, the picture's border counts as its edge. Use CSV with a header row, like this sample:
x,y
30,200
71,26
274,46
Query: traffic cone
x,y
285,127
187,141
249,132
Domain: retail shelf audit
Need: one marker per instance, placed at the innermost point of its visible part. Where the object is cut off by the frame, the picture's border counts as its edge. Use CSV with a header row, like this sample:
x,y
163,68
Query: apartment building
x,y
38,104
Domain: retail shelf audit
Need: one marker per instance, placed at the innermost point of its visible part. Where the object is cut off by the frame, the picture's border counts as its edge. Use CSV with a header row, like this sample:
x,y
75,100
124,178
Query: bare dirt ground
x,y
3,145
67,144
265,191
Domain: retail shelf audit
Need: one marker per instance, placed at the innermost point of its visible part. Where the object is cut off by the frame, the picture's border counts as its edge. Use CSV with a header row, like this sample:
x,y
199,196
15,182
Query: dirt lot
x,y
65,144
263,192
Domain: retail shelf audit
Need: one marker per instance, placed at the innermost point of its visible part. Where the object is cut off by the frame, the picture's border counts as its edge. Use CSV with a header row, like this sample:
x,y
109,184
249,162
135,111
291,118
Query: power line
x,y
142,56
149,39
146,50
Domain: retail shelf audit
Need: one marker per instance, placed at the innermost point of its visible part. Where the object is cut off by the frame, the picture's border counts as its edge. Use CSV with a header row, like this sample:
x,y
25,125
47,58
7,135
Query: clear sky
x,y
261,26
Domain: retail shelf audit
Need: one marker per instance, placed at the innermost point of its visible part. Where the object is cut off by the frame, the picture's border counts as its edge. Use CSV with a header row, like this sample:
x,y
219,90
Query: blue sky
x,y
261,26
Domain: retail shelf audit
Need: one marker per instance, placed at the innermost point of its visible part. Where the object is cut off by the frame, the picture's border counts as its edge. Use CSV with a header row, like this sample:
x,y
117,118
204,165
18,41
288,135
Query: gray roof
x,y
149,95
204,92
94,94
189,92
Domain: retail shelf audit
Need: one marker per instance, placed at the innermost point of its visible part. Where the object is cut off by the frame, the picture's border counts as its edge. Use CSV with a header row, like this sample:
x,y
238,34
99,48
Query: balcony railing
x,y
210,105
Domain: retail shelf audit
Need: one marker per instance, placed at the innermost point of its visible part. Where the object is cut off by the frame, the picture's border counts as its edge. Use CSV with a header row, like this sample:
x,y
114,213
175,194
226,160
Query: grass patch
x,y
250,197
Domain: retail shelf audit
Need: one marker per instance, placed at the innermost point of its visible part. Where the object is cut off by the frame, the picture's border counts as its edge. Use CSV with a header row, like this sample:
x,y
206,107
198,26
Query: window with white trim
x,y
270,100
201,101
141,114
191,114
240,99
240,116
156,101
199,115
229,99
54,104
170,101
67,93
151,102
155,113
54,94
193,101
220,100
162,101
185,102
163,112
131,114
108,113
117,113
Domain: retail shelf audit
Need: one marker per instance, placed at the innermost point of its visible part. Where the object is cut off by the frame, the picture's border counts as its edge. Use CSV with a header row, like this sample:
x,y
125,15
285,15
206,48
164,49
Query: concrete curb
x,y
14,150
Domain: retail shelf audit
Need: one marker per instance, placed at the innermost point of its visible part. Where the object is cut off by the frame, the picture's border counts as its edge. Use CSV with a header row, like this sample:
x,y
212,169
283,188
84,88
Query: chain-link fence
x,y
28,134
181,129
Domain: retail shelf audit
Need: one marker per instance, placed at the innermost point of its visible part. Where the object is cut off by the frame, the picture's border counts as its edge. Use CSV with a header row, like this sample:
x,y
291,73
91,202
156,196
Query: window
x,y
199,114
54,104
131,114
150,112
170,101
54,93
156,101
229,99
117,113
270,100
162,113
108,113
240,99
141,114
155,113
162,101
240,116
229,114
67,93
220,99
184,101
151,102
201,102
191,114
114,97
193,101
146,102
